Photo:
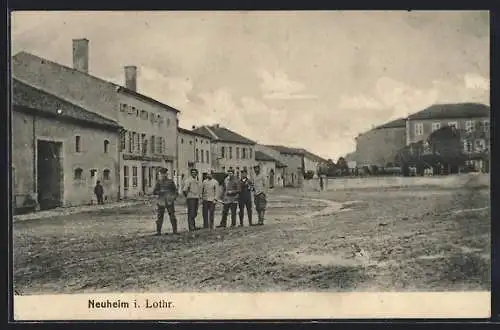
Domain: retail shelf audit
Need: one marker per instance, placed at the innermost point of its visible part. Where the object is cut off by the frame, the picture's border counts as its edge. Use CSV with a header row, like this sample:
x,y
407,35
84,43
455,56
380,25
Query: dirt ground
x,y
391,239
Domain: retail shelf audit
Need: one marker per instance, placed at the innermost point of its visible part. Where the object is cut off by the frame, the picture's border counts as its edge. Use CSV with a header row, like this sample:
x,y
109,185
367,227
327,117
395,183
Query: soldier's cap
x,y
256,166
231,170
244,170
163,170
194,170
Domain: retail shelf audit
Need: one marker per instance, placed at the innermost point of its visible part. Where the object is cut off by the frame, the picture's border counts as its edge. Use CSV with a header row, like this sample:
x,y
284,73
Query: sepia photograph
x,y
250,164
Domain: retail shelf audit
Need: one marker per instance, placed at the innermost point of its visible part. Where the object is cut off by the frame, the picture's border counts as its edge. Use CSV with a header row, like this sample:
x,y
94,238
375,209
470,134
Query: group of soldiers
x,y
236,192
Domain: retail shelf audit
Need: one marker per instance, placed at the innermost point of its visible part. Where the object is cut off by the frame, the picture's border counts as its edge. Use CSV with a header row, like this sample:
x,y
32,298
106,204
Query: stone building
x,y
149,139
272,168
59,151
379,146
229,149
293,158
195,151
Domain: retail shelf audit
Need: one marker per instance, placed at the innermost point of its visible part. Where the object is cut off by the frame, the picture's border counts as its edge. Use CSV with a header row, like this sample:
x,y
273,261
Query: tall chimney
x,y
81,55
131,77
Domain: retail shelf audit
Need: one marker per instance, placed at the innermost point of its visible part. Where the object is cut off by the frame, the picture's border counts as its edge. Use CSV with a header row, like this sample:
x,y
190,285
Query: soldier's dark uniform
x,y
245,198
167,193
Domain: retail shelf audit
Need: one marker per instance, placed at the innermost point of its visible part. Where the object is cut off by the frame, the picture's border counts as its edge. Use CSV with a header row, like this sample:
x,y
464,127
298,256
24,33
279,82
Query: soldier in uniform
x,y
167,193
209,195
231,190
245,198
260,194
192,192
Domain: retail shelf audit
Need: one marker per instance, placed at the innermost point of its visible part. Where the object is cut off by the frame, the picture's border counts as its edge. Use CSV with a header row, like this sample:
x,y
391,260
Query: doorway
x,y
49,174
144,178
271,178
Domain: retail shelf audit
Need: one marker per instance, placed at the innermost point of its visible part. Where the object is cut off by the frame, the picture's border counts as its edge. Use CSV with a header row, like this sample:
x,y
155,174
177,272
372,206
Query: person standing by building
x,y
209,195
99,192
231,190
192,192
245,197
260,194
167,193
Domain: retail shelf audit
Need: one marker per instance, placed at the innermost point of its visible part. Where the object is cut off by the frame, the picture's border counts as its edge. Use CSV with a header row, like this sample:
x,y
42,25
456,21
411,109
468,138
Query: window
x,y
153,142
130,142
78,174
163,146
190,142
244,153
123,140
197,155
134,176
123,107
168,122
223,169
202,156
207,157
144,114
132,149
436,126
159,146
106,146
125,177
480,145
77,143
419,129
250,154
145,146
486,126
237,153
150,176
223,152
137,143
106,174
469,125
230,152
453,124
467,146
182,141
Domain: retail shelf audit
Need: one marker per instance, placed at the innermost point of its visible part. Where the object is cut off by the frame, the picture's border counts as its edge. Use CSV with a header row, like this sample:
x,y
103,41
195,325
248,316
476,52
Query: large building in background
x,y
194,151
379,146
271,167
312,162
149,139
293,158
59,151
229,149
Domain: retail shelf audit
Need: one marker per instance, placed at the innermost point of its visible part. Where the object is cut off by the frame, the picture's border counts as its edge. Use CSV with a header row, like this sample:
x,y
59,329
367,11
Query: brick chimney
x,y
81,55
131,77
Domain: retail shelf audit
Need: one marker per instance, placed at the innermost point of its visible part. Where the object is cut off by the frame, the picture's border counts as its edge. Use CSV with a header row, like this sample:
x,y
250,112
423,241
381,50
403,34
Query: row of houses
x,y
71,129
380,145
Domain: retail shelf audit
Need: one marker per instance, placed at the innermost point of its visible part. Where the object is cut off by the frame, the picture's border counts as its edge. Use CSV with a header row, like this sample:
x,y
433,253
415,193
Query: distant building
x,y
293,158
379,146
149,139
229,149
60,150
472,119
312,162
271,167
195,151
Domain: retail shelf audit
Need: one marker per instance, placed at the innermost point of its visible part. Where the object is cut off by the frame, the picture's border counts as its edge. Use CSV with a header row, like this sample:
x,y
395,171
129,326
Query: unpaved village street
x,y
418,238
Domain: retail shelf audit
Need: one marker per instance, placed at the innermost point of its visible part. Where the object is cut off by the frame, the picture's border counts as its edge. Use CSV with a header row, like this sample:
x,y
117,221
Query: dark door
x,y
144,178
271,178
49,174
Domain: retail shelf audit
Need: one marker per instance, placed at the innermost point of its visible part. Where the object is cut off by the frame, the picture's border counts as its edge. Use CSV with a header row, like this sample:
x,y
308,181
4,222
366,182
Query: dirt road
x,y
409,240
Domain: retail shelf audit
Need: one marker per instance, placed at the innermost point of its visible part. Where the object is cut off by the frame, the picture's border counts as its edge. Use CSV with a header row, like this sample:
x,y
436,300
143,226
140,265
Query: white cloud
x,y
279,86
476,81
359,102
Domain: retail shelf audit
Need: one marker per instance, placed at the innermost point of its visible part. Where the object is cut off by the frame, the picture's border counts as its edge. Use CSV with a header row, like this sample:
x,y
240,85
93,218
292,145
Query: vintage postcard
x,y
206,165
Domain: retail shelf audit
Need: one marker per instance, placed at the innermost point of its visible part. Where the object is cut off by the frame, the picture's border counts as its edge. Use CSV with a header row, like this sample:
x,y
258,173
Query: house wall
x,y
186,154
146,120
79,88
203,155
266,168
311,165
379,146
91,156
292,174
229,158
427,126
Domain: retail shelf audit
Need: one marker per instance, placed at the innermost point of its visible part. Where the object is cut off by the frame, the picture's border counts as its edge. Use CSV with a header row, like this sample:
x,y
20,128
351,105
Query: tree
x,y
447,144
342,166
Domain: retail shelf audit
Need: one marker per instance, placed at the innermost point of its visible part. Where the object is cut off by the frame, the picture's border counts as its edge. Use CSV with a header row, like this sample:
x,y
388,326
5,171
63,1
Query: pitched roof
x,y
263,157
186,131
398,123
25,56
313,157
287,150
27,96
223,134
452,110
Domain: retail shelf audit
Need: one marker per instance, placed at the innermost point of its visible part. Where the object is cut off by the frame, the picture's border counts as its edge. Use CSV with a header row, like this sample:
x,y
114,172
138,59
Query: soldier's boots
x,y
158,228
174,225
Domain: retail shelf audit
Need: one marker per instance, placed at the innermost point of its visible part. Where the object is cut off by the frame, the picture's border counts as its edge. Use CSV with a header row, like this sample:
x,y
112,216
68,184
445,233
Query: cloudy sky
x,y
308,79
